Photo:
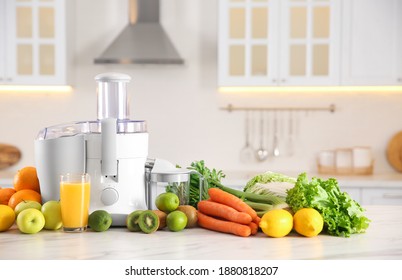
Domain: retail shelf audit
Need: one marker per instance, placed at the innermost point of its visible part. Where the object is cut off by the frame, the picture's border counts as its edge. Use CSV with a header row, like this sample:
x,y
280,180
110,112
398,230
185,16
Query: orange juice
x,y
74,202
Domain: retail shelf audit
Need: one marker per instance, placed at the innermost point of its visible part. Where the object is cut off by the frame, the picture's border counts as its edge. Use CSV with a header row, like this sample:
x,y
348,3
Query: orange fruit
x,y
26,178
5,195
24,195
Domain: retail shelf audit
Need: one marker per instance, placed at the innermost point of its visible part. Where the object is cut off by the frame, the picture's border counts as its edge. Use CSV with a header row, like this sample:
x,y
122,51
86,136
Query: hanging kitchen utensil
x,y
262,153
276,151
9,155
247,152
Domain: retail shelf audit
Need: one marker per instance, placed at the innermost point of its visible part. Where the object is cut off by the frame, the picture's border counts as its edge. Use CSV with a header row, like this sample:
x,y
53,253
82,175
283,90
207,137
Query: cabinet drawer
x,y
386,196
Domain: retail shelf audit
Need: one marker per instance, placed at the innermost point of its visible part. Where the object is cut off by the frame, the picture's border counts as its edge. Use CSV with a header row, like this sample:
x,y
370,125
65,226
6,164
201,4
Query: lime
x,y
99,220
176,220
167,202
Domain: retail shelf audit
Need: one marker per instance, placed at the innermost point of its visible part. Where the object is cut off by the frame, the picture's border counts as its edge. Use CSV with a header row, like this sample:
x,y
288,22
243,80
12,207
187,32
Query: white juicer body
x,y
124,192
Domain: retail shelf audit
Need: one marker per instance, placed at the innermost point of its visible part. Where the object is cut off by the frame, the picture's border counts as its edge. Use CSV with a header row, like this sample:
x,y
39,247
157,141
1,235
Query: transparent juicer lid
x,y
112,103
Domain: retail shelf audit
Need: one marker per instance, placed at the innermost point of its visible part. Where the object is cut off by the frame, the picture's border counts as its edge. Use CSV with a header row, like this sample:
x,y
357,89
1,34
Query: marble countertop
x,y
383,240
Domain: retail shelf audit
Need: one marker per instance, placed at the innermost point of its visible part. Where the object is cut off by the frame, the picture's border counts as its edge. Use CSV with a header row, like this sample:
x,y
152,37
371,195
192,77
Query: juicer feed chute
x,y
112,96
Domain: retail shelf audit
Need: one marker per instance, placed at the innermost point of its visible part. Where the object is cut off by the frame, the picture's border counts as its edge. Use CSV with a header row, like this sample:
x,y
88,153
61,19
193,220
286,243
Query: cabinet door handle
x,y
399,79
283,80
392,196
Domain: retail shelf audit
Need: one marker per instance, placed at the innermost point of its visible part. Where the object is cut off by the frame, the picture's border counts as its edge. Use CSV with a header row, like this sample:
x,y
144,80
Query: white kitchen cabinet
x,y
6,184
279,42
382,196
2,39
375,195
372,42
354,193
34,42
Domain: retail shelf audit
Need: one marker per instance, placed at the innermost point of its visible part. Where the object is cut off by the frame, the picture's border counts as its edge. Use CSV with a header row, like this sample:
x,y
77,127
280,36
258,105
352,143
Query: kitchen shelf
x,y
230,108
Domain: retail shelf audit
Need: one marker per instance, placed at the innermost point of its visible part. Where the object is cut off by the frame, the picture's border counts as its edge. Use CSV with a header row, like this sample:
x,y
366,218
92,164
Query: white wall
x,y
181,103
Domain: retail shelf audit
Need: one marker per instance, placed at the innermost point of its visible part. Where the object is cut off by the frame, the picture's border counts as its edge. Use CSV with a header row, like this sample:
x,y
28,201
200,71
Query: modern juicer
x,y
113,149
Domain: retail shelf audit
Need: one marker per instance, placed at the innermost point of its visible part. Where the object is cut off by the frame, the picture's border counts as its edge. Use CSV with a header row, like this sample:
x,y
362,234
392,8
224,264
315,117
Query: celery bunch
x,y
210,178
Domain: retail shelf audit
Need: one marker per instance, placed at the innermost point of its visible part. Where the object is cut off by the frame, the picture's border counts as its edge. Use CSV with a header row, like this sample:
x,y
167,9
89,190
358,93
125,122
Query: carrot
x,y
231,200
257,220
220,210
254,228
214,224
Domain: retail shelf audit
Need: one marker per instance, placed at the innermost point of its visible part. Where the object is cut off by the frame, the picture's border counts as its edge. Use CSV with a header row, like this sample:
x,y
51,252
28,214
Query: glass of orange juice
x,y
74,201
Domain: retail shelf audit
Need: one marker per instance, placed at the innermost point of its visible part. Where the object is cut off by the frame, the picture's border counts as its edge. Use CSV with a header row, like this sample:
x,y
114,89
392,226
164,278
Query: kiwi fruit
x,y
148,221
162,218
132,220
191,214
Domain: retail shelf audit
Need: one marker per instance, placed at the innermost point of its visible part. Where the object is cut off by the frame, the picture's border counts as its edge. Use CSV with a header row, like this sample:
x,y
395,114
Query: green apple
x,y
30,220
52,212
26,204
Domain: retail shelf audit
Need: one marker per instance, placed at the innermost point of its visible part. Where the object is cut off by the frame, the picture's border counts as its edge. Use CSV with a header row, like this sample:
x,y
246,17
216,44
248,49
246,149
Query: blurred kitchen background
x,y
351,49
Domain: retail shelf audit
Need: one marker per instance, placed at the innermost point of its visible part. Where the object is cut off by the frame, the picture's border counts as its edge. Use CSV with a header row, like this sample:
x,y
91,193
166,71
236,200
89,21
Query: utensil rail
x,y
331,108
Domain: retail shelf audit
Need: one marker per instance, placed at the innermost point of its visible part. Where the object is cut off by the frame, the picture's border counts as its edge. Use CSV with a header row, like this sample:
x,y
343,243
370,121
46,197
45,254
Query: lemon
x,y
276,223
308,222
7,217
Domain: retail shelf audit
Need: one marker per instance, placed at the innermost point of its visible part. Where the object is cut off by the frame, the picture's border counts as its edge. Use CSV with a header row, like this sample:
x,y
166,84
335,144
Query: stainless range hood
x,y
143,40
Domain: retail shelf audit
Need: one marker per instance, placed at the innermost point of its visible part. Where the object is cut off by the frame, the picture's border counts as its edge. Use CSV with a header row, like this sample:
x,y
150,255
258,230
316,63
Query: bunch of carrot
x,y
225,212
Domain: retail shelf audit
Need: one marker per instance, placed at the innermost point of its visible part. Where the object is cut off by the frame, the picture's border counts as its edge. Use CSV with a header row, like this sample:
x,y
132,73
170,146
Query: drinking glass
x,y
75,192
